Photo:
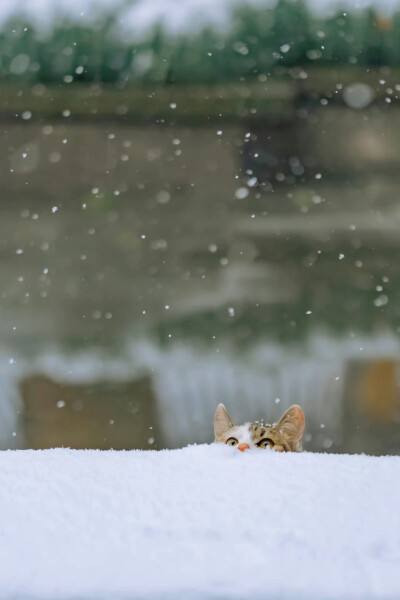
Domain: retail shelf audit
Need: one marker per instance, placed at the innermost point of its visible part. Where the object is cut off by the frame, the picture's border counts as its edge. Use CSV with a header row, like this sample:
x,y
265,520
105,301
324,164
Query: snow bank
x,y
201,522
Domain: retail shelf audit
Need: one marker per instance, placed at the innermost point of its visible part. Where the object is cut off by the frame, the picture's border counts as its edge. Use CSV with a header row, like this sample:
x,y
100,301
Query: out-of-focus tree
x,y
257,41
341,38
375,51
291,31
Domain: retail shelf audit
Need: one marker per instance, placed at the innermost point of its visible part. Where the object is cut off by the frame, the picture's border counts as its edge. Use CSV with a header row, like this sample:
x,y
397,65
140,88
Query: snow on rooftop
x,y
200,522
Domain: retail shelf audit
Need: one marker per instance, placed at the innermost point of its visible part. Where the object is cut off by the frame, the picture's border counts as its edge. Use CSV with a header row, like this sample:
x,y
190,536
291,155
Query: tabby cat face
x,y
284,436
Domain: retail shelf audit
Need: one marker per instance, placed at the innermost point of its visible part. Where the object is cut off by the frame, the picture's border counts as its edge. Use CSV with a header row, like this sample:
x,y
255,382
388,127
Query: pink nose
x,y
243,447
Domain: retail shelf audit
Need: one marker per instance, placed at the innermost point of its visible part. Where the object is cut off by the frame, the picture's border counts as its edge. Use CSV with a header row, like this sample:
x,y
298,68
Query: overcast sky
x,y
175,14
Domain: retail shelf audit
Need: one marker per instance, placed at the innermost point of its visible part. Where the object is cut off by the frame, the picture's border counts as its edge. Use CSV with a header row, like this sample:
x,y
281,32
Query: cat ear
x,y
291,426
222,421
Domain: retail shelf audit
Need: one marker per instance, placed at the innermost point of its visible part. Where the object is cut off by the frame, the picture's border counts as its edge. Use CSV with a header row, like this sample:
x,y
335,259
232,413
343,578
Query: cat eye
x,y
265,443
232,442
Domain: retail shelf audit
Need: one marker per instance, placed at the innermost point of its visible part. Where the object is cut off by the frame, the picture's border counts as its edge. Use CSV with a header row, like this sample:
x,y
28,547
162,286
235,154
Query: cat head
x,y
284,436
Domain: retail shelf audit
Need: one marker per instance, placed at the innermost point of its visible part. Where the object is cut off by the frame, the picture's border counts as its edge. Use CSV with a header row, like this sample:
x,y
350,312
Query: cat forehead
x,y
242,433
249,431
259,430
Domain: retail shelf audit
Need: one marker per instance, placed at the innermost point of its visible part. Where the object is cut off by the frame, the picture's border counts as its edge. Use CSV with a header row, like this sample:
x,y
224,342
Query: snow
x,y
200,522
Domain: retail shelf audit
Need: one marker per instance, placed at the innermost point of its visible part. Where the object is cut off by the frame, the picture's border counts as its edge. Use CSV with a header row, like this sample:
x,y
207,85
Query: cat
x,y
284,436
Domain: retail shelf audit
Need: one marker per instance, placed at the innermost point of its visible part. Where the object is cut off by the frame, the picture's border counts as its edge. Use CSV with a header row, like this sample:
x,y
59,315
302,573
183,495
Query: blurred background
x,y
199,204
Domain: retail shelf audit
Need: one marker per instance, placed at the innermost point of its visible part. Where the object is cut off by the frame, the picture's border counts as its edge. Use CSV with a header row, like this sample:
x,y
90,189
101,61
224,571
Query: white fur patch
x,y
242,434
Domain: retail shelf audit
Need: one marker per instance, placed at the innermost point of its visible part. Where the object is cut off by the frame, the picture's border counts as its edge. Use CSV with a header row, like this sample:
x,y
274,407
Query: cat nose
x,y
243,447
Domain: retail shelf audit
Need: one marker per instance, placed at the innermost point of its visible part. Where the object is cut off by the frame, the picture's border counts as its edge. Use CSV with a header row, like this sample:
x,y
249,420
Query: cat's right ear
x,y
291,426
222,421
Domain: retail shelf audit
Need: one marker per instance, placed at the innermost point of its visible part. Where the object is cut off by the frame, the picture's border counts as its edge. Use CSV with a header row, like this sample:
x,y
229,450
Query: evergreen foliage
x,y
258,41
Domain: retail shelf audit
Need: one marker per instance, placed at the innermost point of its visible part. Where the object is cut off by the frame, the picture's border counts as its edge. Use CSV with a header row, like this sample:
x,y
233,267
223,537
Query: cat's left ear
x,y
222,422
291,425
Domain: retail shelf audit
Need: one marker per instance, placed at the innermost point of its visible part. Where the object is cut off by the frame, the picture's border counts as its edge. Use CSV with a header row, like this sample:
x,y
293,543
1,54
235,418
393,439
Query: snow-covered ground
x,y
200,522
